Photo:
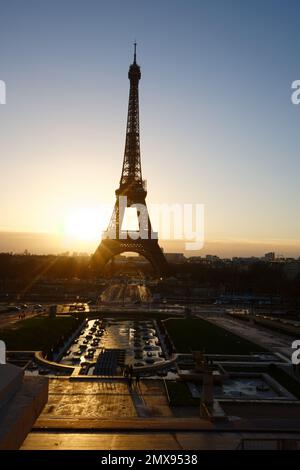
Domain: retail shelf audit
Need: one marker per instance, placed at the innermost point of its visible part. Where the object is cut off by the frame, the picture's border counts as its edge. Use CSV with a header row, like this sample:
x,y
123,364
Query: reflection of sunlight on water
x,y
138,339
117,335
125,334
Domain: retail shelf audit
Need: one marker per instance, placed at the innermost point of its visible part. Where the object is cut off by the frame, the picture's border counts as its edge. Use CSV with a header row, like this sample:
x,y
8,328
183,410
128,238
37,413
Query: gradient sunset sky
x,y
217,123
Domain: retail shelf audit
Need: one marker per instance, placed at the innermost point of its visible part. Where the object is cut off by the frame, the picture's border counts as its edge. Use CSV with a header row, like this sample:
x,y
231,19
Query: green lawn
x,y
197,334
39,333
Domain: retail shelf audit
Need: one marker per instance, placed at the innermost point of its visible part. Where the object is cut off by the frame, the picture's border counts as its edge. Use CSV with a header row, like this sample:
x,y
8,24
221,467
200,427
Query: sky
x,y
217,123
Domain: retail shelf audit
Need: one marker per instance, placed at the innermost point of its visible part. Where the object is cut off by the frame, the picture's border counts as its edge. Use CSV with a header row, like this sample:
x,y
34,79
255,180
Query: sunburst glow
x,y
85,224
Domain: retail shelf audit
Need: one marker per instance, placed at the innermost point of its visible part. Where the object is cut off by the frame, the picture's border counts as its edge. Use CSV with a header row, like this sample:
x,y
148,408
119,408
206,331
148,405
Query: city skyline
x,y
217,123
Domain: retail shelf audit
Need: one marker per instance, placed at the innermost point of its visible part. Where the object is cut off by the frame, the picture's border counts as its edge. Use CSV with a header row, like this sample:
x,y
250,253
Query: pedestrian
x,y
137,379
129,381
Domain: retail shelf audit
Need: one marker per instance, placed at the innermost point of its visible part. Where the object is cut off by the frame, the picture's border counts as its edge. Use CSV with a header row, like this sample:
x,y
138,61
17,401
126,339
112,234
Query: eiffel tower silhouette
x,y
131,193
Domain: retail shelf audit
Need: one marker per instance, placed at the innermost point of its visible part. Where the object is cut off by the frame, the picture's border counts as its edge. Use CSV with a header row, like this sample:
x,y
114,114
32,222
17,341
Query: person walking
x,y
137,379
129,381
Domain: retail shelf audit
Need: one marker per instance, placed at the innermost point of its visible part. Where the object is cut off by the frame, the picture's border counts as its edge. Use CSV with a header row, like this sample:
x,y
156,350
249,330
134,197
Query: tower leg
x,y
147,248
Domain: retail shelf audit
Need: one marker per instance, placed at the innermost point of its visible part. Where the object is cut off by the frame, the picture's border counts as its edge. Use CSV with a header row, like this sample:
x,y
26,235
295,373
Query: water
x,y
87,347
239,387
137,341
250,387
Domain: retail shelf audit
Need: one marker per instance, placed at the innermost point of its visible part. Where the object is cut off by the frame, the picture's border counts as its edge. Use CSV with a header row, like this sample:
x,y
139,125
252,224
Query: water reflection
x,y
130,342
139,340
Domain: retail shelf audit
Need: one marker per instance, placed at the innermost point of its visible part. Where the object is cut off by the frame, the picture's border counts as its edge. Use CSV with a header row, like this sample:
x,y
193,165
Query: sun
x,y
85,224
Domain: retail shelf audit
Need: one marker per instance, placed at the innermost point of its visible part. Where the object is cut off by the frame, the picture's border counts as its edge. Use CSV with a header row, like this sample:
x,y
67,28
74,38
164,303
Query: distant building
x,y
269,256
240,260
176,258
212,258
292,269
196,259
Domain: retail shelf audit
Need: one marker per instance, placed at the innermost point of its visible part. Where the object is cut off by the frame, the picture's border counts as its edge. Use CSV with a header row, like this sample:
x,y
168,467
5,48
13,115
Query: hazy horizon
x,y
45,243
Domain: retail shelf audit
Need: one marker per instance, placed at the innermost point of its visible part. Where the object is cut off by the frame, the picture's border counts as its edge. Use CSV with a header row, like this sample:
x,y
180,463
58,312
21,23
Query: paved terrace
x,y
106,414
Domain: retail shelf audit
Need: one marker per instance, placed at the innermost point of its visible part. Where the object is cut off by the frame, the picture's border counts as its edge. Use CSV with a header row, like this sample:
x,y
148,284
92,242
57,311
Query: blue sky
x,y
217,123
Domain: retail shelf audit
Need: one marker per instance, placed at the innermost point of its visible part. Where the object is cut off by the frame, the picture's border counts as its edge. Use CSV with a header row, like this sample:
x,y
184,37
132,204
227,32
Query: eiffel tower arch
x,y
131,192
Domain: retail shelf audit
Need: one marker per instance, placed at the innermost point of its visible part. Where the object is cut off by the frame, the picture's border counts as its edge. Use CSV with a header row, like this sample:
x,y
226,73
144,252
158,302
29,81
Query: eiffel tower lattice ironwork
x,y
131,193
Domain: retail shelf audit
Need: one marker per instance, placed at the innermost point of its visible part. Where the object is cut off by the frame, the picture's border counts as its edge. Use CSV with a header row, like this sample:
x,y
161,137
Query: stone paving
x,y
105,399
117,441
158,441
154,396
84,399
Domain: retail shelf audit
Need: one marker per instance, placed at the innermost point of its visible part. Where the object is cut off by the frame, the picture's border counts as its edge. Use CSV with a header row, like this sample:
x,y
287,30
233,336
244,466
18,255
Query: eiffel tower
x,y
132,192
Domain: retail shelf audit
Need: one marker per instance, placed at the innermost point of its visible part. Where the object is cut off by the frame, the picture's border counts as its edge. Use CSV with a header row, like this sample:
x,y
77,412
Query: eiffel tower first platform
x,y
131,193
